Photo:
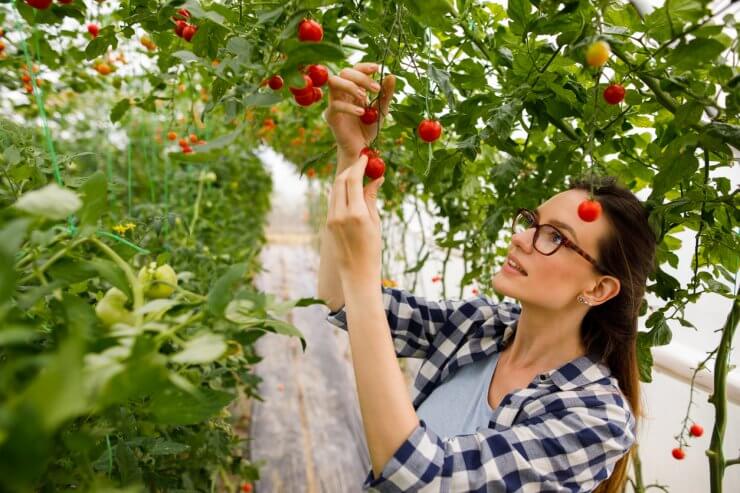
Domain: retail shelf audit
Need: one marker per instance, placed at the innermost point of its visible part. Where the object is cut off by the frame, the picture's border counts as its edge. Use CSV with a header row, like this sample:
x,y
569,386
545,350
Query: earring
x,y
583,300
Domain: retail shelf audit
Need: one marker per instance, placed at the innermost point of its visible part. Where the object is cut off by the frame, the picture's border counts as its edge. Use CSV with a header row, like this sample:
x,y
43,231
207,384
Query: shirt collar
x,y
584,370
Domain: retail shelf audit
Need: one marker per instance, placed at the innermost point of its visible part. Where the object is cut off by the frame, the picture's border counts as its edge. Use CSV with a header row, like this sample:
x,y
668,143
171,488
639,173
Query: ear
x,y
606,288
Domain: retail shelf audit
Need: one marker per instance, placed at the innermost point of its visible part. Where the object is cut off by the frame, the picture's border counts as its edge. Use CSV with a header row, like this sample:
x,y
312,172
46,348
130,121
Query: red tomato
x,y
317,94
306,90
171,135
319,74
39,4
370,153
429,130
696,430
275,82
375,168
589,210
306,99
370,116
189,32
93,29
678,453
310,30
180,27
614,94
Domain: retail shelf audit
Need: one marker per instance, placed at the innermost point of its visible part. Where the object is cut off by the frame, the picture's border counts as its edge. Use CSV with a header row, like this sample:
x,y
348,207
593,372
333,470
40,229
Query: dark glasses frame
x,y
566,242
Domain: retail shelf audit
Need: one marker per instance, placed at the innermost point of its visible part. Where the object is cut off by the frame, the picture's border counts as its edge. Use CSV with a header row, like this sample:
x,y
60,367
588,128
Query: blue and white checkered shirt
x,y
564,432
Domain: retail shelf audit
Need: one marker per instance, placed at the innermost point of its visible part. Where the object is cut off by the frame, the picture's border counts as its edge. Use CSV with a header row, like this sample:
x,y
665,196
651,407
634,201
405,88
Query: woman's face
x,y
554,281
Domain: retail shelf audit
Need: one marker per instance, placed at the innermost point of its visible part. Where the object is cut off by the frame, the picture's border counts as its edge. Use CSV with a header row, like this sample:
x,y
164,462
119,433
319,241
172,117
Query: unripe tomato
x,y
429,130
158,282
589,210
319,74
614,94
598,53
310,30
103,68
111,310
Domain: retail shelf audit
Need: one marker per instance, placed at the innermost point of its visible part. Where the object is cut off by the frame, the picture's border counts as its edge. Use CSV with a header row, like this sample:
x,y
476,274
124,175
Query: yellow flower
x,y
120,229
389,283
130,226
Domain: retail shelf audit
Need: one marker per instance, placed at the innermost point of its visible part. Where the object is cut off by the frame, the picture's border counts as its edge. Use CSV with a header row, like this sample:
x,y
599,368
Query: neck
x,y
539,344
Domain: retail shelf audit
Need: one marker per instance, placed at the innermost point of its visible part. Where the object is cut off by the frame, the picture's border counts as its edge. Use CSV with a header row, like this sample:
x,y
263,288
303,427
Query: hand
x,y
347,101
353,224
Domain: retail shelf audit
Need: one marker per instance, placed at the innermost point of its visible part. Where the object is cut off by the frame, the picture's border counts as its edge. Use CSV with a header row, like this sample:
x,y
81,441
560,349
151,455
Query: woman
x,y
539,396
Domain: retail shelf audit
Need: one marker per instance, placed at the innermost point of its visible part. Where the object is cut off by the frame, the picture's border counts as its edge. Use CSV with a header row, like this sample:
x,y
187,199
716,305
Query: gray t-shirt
x,y
459,406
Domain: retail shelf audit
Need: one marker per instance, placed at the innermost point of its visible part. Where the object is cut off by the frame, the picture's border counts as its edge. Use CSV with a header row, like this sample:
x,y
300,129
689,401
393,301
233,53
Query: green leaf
x,y
519,13
284,328
672,171
696,52
99,45
187,56
12,235
201,349
95,200
688,114
260,99
120,109
173,406
51,201
304,53
219,295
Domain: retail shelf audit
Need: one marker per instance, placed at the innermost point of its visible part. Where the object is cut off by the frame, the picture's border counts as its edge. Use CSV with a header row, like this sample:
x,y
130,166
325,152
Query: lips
x,y
514,263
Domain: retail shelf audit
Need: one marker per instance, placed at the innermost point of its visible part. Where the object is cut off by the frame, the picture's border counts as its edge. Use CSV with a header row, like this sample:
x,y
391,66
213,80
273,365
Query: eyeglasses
x,y
547,238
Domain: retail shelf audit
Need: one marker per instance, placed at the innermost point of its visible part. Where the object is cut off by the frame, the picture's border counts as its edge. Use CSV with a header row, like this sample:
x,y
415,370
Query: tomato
x,y
184,13
186,149
2,46
103,68
317,94
66,2
158,282
614,94
429,130
275,83
171,135
110,309
246,487
375,167
26,78
678,453
180,27
319,74
189,32
39,4
305,99
589,210
696,430
307,88
370,153
193,138
370,116
310,30
93,29
598,53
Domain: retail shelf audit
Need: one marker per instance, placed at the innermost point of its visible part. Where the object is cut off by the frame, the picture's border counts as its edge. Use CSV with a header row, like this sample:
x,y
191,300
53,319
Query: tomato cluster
x,y
183,28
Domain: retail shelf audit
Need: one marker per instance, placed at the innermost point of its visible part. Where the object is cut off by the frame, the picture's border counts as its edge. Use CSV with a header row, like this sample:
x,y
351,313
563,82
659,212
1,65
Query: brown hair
x,y
609,330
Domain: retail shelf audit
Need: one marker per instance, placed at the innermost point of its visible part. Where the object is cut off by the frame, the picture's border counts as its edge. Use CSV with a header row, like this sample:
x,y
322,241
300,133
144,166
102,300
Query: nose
x,y
523,240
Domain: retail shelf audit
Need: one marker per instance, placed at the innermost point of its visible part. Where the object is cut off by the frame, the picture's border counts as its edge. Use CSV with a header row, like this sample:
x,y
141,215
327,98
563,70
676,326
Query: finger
x,y
367,67
362,80
371,196
339,84
389,86
345,107
355,193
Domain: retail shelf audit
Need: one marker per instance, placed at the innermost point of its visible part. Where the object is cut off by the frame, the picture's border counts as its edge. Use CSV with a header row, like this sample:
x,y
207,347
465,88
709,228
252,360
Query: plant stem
x,y
136,287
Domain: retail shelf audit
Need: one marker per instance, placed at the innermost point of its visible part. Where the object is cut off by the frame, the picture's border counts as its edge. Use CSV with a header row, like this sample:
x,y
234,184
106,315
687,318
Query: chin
x,y
503,285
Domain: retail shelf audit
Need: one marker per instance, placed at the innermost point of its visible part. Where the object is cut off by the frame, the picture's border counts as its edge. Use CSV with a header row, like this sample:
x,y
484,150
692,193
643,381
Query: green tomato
x,y
158,282
110,309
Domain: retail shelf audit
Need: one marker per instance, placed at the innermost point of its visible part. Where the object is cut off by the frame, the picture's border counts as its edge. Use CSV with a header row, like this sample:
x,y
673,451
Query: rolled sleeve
x,y
568,451
414,321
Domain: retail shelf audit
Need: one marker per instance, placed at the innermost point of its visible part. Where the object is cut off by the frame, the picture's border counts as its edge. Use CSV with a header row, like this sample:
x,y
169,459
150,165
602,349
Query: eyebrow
x,y
560,224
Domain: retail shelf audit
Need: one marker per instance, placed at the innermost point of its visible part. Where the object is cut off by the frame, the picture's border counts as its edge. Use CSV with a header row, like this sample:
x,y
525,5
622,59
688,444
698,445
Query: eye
x,y
556,237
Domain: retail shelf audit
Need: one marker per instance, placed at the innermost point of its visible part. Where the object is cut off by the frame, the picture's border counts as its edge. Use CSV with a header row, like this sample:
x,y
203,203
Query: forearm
x,y
387,411
330,284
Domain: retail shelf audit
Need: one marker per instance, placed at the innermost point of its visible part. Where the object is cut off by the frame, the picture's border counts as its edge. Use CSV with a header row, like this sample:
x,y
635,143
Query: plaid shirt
x,y
564,432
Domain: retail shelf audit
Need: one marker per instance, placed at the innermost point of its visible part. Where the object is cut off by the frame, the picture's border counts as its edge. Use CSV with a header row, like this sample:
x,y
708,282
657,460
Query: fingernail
x,y
360,111
361,93
376,86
